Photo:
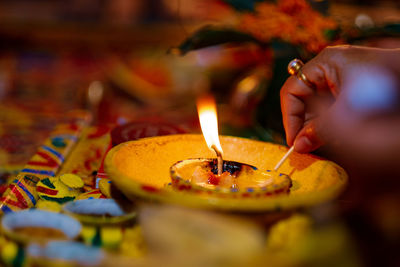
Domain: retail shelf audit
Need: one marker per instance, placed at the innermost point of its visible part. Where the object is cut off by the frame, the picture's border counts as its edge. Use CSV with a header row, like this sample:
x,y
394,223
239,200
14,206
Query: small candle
x,y
207,110
223,177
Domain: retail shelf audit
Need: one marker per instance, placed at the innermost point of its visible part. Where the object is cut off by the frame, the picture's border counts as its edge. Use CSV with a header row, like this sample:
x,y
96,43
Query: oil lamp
x,y
222,176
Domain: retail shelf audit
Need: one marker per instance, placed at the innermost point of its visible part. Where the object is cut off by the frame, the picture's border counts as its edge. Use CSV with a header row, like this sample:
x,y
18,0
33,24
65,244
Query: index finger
x,y
293,95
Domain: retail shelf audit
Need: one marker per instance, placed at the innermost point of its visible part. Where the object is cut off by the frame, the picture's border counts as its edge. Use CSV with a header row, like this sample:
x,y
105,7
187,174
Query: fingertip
x,y
289,142
303,145
307,140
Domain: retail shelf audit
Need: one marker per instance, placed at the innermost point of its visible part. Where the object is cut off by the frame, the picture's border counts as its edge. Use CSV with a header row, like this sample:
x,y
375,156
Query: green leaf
x,y
243,5
392,29
211,35
388,30
332,34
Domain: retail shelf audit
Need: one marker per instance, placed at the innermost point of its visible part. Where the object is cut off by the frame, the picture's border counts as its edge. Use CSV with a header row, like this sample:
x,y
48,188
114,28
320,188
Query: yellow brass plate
x,y
141,169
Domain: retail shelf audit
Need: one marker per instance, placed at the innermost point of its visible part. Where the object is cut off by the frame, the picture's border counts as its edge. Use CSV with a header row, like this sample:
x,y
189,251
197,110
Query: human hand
x,y
351,84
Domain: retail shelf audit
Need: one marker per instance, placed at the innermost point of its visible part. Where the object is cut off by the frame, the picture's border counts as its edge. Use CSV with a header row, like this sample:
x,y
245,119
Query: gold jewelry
x,y
294,68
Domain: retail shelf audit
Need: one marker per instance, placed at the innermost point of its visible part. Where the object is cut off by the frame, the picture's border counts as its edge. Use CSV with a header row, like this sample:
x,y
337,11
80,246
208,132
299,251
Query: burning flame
x,y
207,110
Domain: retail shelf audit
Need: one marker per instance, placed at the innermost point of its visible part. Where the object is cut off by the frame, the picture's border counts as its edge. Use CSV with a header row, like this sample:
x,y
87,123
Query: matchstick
x,y
284,158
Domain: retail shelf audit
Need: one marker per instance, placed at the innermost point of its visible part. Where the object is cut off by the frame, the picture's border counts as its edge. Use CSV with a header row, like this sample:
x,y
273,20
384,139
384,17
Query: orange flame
x,y
207,110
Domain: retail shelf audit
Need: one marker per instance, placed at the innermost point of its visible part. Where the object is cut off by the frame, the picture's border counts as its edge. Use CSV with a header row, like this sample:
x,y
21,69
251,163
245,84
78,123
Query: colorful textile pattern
x,y
21,193
20,134
87,156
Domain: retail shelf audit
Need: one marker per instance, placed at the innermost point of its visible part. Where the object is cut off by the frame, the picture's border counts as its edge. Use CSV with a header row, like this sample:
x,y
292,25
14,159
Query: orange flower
x,y
293,21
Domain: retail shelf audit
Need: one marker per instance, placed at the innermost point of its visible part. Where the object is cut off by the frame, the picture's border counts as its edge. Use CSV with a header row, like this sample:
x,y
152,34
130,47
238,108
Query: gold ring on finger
x,y
294,69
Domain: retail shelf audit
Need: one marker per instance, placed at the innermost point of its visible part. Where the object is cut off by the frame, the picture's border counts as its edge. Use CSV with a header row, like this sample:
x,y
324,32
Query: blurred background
x,y
52,51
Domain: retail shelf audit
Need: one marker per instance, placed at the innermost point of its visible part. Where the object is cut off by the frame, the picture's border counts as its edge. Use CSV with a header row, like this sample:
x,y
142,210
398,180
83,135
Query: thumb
x,y
309,138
